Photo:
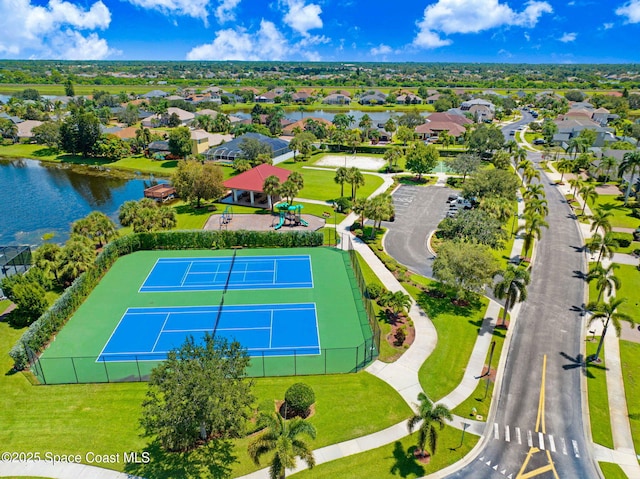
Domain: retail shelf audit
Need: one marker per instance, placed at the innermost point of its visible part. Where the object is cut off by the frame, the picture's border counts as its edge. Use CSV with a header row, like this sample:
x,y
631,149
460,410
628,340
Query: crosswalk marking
x,y
541,440
575,448
529,439
496,433
507,434
564,446
552,443
518,438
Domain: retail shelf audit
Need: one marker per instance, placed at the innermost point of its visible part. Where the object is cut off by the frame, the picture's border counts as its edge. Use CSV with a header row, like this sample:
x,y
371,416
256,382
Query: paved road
x,y
549,325
419,209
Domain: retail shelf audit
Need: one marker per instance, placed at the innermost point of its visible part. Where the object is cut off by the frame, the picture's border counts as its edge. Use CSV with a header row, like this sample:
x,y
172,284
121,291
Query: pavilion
x,y
247,187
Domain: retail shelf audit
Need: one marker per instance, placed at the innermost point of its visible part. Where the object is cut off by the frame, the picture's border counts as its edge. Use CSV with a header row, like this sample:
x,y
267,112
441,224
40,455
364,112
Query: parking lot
x,y
418,209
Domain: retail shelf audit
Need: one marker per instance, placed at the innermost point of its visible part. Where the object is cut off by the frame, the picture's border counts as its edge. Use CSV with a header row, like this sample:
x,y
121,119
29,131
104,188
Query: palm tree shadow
x,y
211,461
405,462
581,362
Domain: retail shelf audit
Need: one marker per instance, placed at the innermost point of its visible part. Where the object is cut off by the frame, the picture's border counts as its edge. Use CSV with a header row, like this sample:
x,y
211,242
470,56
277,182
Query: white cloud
x,y
527,37
190,8
268,43
608,26
568,37
631,10
225,11
473,16
381,49
302,17
53,30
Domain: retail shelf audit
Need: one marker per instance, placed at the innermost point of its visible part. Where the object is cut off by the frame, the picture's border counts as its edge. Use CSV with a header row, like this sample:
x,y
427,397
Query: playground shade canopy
x,y
253,179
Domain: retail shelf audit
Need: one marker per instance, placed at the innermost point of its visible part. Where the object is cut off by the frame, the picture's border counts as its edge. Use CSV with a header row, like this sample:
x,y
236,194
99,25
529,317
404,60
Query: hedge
x,y
44,328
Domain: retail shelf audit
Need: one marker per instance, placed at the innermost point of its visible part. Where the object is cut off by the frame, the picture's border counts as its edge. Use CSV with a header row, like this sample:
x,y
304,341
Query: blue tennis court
x,y
243,273
265,329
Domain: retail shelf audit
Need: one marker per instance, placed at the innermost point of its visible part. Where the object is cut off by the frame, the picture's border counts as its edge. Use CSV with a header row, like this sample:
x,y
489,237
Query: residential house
x,y
433,98
603,116
207,112
372,97
185,117
408,98
228,152
481,109
269,96
436,123
571,128
289,130
25,128
155,94
337,99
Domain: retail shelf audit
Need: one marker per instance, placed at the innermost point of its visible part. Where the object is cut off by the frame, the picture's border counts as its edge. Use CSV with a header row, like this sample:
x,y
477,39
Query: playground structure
x,y
290,215
227,216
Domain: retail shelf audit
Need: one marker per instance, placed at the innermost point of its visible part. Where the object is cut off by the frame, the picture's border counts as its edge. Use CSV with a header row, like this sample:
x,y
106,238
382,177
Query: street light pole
x,y
465,425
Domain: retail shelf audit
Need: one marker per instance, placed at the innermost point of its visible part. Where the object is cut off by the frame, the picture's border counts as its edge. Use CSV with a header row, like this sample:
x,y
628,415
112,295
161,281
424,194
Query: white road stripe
x,y
529,439
564,446
496,432
575,448
518,437
541,440
552,443
507,434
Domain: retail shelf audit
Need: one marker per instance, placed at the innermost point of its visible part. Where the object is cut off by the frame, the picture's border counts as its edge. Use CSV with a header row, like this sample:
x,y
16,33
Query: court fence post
x,y
73,365
326,353
264,372
138,366
106,371
295,363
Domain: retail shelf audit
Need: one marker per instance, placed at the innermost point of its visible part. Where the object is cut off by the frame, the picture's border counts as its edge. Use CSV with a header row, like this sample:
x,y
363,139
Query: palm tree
x,y
356,179
600,220
607,245
379,208
532,230
535,191
530,173
47,258
429,416
359,207
519,155
497,207
630,163
588,193
608,313
607,165
341,178
537,206
270,188
511,145
392,156
281,439
605,279
512,288
76,257
564,166
524,164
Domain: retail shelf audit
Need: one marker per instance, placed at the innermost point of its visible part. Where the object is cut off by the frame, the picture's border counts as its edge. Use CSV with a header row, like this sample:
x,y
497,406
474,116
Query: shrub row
x,y
45,327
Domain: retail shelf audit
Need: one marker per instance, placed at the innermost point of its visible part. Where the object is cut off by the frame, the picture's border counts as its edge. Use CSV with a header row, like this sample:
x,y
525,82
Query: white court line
x,y
112,333
275,272
186,273
153,349
148,274
552,443
256,328
271,330
163,310
518,437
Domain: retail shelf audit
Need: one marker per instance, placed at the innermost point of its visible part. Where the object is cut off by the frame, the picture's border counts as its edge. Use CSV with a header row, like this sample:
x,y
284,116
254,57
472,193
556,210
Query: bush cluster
x,y
47,325
299,398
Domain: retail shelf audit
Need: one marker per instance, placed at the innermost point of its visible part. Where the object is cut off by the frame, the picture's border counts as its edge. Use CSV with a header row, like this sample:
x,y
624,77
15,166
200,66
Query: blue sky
x,y
531,31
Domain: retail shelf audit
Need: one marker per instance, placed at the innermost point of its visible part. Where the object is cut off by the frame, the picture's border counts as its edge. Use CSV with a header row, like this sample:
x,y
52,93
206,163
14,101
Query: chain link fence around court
x,y
79,369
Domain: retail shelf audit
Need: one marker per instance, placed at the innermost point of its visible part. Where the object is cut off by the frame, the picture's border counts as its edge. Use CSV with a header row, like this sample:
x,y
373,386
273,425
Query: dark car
x,y
636,234
539,141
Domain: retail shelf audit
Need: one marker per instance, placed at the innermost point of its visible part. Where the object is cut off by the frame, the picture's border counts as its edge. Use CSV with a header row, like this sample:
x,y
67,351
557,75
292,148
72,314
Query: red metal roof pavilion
x,y
253,181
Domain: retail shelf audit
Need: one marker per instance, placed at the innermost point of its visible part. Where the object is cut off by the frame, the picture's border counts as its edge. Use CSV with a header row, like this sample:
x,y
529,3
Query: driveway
x,y
419,209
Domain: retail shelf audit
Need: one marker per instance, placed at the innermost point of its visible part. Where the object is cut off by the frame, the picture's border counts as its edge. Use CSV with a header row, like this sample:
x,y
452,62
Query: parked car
x,y
539,141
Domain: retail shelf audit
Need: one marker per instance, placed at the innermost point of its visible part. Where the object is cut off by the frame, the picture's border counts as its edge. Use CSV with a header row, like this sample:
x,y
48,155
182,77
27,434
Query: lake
x,y
376,116
39,198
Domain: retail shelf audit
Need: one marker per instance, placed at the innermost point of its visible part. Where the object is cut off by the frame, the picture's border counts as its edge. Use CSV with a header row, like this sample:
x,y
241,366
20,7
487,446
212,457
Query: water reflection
x,y
39,198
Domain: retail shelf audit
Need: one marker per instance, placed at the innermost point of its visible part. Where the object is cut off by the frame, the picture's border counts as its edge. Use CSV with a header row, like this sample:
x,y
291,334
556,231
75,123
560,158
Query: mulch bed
x,y
279,405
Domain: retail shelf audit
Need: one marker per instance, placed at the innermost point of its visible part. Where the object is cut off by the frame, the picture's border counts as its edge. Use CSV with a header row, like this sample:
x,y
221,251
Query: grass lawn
x,y
480,399
598,398
630,278
74,419
612,471
635,245
53,89
387,352
396,460
457,333
621,214
4,304
319,184
630,356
